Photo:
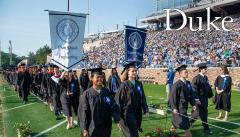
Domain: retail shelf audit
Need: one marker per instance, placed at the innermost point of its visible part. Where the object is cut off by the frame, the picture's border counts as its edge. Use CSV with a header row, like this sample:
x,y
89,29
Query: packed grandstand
x,y
164,48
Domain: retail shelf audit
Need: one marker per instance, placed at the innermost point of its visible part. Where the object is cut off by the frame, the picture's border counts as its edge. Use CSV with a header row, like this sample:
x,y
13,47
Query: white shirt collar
x,y
201,74
98,91
183,80
223,76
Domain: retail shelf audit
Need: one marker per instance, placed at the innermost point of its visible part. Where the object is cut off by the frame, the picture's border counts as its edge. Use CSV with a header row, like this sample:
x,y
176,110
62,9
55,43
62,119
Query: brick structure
x,y
159,77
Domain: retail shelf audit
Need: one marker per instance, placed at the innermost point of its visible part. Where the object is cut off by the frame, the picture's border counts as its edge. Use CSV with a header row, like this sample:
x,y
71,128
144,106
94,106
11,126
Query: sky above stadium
x,y
26,24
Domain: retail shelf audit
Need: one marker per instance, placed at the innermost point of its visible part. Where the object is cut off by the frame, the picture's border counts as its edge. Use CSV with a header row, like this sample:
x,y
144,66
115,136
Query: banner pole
x,y
68,83
68,6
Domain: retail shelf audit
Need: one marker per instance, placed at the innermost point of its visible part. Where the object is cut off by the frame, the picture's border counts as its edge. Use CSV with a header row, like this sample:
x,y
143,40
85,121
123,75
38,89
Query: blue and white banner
x,y
134,44
67,35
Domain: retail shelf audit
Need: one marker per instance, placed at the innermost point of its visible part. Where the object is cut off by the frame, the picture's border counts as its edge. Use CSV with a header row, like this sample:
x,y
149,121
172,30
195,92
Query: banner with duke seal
x,y
134,44
67,35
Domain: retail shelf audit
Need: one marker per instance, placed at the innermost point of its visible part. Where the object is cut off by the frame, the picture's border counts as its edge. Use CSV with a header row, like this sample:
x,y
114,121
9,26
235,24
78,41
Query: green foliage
x,y
41,54
6,59
23,129
40,57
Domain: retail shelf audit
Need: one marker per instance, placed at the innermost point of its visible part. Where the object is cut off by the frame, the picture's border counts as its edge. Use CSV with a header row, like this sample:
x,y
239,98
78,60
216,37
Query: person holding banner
x,y
96,108
132,101
180,96
113,82
223,97
69,97
54,92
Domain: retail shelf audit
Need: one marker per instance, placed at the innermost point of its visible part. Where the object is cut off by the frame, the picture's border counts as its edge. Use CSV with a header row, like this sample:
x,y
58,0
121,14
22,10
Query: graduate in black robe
x,y
54,91
97,107
47,78
44,84
84,80
132,101
24,83
39,77
104,80
180,96
113,82
223,85
34,76
69,99
15,79
202,91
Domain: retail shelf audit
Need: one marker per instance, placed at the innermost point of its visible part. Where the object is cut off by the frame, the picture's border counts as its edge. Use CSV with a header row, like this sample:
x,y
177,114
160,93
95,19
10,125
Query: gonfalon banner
x,y
134,44
67,35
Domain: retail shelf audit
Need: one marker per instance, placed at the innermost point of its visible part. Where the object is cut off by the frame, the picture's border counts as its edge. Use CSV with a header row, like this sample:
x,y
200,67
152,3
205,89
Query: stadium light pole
x,y
136,22
10,51
88,17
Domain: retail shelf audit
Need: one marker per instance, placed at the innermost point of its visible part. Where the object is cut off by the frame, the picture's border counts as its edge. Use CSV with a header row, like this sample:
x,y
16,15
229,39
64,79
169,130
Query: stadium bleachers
x,y
164,48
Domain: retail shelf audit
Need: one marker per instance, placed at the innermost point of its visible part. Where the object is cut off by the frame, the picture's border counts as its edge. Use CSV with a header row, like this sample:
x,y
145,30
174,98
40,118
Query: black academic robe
x,y
180,96
54,92
223,100
84,82
15,81
39,77
202,91
95,112
47,78
34,83
24,82
132,101
44,86
110,85
71,100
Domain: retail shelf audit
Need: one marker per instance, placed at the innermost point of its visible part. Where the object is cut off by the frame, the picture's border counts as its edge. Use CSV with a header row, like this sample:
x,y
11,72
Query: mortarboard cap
x,y
128,65
55,66
98,71
202,65
22,64
180,68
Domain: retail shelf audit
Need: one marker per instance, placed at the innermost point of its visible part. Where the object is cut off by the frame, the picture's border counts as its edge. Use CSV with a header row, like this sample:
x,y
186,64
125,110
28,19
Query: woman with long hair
x,y
132,101
223,85
113,82
69,97
84,80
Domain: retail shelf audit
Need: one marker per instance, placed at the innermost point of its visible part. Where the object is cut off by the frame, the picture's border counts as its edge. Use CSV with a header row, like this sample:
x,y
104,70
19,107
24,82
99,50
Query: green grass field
x,y
41,118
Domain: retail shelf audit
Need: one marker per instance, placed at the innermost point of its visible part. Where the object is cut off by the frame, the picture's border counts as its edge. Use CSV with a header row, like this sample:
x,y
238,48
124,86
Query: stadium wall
x,y
158,76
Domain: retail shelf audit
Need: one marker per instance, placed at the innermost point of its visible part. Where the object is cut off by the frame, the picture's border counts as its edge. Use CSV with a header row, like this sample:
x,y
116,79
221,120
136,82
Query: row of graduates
x,y
125,100
197,92
93,99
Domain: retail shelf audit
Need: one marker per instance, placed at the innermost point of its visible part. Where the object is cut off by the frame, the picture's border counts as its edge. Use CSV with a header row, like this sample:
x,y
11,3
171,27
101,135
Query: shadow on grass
x,y
35,133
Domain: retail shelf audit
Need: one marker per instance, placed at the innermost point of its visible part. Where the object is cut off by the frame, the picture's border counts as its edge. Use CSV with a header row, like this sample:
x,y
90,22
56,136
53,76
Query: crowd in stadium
x,y
165,48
